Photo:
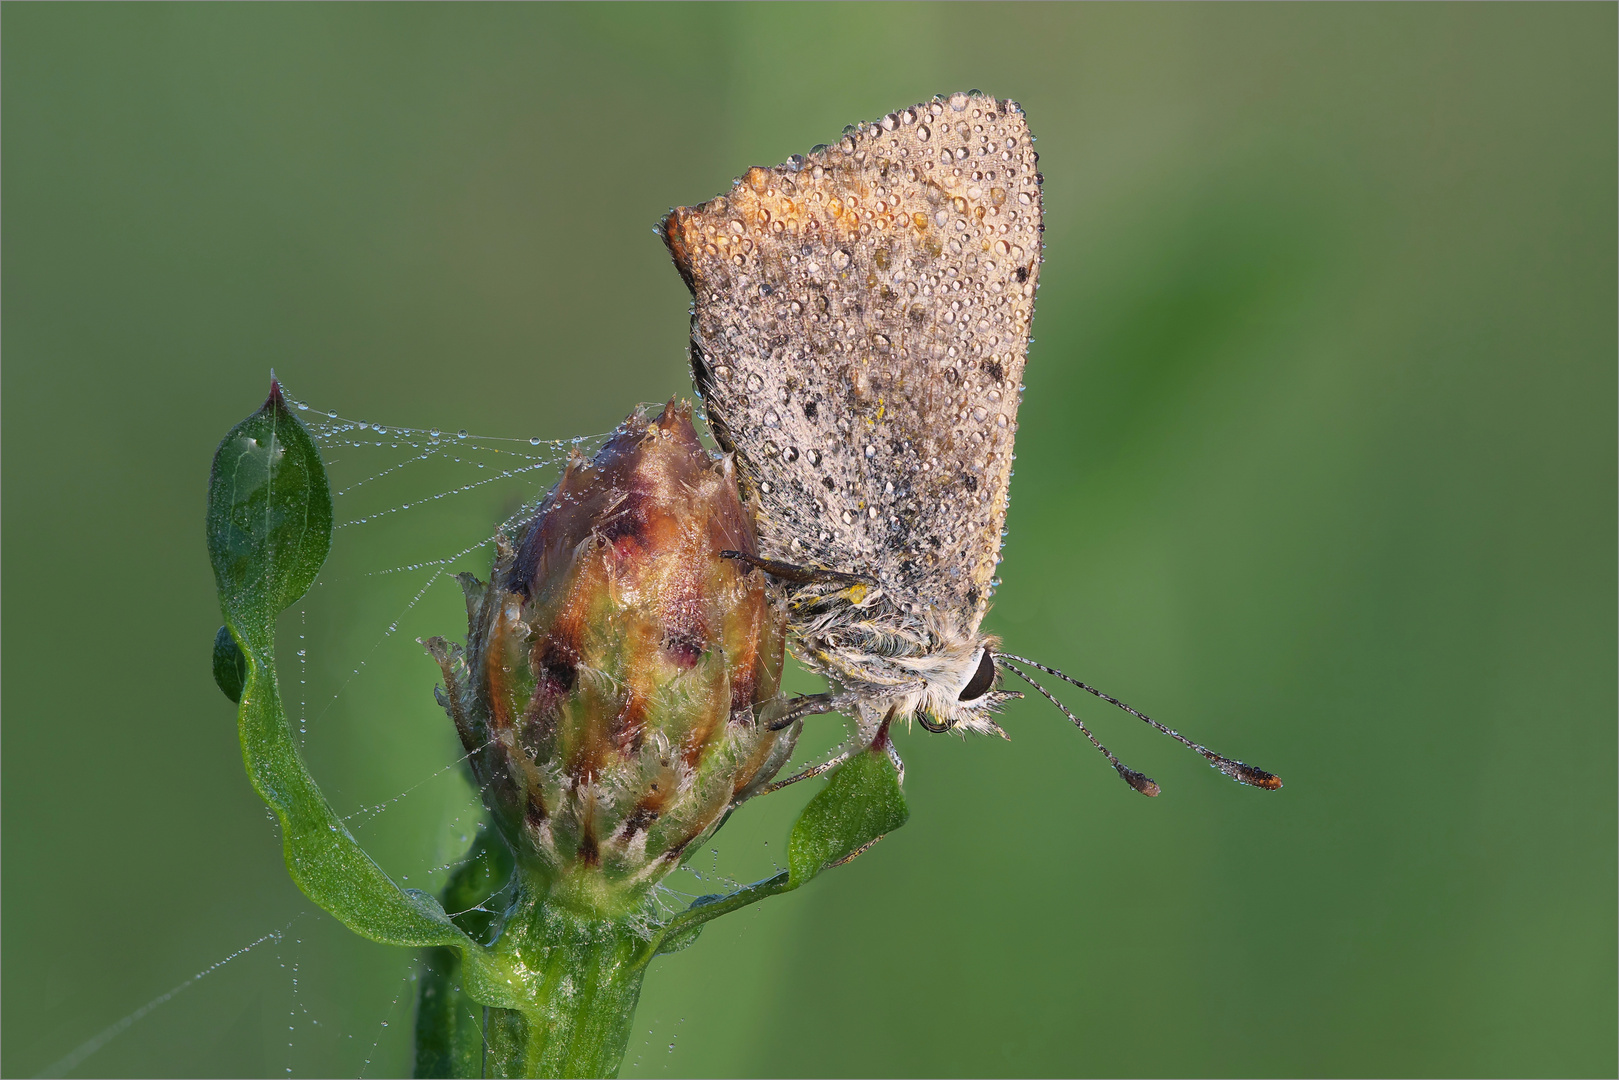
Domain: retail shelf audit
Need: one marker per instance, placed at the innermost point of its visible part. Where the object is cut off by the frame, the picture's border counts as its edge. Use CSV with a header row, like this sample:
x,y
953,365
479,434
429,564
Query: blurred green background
x,y
1317,463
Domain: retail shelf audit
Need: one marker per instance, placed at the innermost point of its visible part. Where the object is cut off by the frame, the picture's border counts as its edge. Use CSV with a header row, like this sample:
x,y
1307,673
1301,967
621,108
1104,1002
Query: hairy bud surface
x,y
607,692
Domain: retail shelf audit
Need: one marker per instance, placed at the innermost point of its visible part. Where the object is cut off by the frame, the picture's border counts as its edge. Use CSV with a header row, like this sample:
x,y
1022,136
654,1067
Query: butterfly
x,y
860,324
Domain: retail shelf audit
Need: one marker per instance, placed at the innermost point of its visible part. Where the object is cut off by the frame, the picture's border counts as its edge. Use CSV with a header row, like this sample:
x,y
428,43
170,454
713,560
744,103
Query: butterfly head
x,y
959,690
969,700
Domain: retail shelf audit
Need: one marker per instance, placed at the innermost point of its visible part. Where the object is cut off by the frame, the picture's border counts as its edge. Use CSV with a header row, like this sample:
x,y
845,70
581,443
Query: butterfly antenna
x,y
1238,771
1142,783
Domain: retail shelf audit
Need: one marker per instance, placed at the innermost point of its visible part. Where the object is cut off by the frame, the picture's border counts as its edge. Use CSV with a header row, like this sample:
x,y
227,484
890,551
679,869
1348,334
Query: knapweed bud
x,y
606,696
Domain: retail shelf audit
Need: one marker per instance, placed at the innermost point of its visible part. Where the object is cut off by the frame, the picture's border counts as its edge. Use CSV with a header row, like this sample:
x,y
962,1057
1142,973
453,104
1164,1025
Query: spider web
x,y
412,507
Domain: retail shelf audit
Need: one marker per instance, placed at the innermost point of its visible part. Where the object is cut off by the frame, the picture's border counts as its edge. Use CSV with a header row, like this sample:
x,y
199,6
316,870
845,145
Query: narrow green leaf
x,y
230,666
860,804
683,929
269,515
269,529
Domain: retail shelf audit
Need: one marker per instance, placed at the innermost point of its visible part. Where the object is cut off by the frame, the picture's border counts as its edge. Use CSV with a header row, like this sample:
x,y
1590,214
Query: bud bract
x,y
606,695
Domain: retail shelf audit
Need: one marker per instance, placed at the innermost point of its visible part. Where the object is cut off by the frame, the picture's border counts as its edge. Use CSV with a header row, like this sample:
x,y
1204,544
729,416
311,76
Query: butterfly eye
x,y
982,679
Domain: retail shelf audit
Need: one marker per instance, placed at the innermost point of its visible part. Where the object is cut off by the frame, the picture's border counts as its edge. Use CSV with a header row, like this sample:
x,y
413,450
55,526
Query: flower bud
x,y
606,696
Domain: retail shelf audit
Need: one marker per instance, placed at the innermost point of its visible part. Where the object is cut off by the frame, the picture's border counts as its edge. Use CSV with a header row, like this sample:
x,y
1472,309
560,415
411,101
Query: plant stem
x,y
585,977
449,1023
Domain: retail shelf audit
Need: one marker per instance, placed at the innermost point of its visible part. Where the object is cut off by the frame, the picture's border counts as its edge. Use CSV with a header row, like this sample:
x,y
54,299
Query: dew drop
x,y
461,434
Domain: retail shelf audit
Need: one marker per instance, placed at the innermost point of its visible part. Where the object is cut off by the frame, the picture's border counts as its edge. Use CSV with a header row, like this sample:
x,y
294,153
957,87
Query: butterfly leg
x,y
881,740
799,575
813,771
887,744
856,853
783,712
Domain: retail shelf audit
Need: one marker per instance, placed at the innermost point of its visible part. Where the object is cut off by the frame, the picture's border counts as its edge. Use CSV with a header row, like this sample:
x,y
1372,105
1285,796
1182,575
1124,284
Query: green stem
x,y
449,1022
581,971
585,975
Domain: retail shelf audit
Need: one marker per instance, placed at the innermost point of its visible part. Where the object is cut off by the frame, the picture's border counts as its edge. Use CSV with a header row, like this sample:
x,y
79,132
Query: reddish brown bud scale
x,y
608,689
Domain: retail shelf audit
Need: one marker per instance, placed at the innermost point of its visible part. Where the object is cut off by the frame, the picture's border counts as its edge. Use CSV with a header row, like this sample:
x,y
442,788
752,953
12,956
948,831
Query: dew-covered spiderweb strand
x,y
292,1011
364,813
409,977
70,1061
510,460
393,628
520,459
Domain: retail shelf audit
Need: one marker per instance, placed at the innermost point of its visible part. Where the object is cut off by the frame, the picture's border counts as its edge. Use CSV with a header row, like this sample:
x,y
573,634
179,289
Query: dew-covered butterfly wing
x,y
858,337
859,330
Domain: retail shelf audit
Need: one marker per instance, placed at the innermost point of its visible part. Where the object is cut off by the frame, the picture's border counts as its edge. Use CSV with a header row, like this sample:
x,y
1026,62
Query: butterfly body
x,y
859,331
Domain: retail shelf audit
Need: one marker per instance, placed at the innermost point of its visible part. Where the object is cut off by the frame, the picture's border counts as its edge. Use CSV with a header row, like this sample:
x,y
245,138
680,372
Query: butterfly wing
x,y
859,330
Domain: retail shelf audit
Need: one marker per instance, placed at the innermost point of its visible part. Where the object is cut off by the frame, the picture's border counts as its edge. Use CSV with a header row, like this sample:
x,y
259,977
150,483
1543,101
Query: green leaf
x,y
269,529
683,929
861,804
269,514
230,665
